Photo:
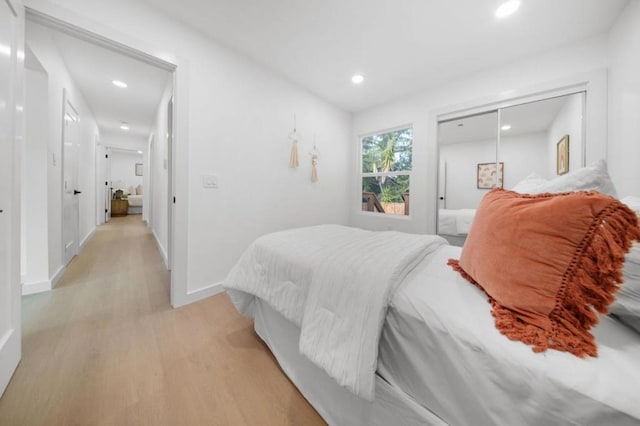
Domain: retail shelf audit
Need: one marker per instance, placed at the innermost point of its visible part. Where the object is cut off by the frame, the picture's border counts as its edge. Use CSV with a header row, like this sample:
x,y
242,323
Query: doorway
x,y
113,99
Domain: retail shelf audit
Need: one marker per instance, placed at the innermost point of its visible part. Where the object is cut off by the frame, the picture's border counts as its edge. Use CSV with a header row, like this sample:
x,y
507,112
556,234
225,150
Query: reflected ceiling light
x,y
507,8
357,79
506,127
120,84
139,152
124,126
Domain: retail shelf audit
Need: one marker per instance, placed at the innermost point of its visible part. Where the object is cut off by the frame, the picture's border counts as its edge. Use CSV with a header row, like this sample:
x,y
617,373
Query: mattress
x,y
440,346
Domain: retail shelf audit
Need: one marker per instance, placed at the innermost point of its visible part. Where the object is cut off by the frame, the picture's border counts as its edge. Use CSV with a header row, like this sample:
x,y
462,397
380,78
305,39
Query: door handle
x,y
76,192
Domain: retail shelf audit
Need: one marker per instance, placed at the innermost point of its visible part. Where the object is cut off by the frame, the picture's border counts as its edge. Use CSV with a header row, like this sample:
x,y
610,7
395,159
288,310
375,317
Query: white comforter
x,y
335,283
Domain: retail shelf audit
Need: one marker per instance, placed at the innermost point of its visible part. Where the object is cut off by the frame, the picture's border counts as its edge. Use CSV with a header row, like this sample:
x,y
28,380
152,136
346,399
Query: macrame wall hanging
x,y
294,137
314,163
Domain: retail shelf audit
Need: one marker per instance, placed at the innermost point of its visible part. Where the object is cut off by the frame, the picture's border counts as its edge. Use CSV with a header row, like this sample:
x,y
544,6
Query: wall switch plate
x,y
209,181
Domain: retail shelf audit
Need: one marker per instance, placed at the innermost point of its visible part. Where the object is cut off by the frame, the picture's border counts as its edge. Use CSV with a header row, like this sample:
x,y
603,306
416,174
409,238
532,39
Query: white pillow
x,y
626,307
593,177
633,203
131,190
530,184
139,190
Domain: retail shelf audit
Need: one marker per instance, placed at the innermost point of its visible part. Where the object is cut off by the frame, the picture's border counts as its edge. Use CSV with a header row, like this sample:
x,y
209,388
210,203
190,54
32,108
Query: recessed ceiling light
x,y
506,127
357,79
507,8
139,152
120,84
124,126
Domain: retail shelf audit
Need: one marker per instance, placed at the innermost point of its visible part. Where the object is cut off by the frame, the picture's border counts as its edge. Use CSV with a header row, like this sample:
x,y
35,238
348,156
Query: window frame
x,y
362,175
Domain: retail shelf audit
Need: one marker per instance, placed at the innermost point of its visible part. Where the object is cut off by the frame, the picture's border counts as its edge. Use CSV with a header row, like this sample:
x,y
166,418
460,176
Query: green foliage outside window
x,y
390,156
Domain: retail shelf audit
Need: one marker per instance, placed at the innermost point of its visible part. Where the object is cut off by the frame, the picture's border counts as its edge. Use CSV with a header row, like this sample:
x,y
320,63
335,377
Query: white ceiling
x,y
398,45
93,68
527,118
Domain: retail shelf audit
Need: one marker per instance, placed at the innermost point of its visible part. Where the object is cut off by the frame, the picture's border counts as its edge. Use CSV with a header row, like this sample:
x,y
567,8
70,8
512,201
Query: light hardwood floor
x,y
106,348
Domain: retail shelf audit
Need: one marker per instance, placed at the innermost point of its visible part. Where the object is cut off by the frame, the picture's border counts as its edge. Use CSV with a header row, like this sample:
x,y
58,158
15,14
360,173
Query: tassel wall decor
x,y
294,137
314,164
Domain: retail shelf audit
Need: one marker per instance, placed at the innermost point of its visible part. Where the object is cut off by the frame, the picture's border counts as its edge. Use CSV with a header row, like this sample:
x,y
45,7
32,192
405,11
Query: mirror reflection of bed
x,y
521,140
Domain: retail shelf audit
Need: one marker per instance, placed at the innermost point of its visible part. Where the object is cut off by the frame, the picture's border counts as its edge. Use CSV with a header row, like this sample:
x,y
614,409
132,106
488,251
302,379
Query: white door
x,y
107,185
70,193
9,250
442,185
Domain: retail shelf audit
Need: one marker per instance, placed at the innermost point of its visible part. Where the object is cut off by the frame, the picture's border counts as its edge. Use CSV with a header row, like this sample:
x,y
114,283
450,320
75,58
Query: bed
x,y
135,204
454,224
440,359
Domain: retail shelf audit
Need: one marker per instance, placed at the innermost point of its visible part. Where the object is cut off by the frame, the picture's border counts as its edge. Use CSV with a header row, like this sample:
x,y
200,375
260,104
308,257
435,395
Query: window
x,y
386,170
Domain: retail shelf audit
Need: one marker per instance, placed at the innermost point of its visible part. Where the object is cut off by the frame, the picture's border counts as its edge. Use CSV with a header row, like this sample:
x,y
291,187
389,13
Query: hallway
x,y
105,347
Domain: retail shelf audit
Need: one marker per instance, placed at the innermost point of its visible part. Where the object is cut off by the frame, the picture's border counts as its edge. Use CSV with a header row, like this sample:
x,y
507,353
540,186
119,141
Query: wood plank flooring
x,y
106,348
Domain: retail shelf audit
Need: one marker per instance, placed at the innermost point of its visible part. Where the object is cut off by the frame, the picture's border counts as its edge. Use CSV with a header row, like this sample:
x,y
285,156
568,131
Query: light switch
x,y
209,181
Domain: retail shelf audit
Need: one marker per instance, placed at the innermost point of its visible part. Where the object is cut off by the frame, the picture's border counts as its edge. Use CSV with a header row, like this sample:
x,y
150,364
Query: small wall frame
x,y
138,169
486,178
562,156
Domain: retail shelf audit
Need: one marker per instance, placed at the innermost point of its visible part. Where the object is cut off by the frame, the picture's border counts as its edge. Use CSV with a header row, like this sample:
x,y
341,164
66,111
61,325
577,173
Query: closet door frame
x,y
595,132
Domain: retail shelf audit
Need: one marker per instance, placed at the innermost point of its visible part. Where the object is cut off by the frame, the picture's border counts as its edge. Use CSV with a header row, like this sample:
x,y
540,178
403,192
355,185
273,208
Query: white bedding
x,y
439,344
455,222
135,200
335,283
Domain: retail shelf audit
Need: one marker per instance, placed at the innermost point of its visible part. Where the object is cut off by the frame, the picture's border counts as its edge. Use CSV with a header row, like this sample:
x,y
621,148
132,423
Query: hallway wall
x,y
233,117
42,45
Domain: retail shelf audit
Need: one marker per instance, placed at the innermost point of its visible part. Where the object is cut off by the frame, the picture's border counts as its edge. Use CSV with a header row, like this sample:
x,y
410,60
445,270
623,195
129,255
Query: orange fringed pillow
x,y
548,263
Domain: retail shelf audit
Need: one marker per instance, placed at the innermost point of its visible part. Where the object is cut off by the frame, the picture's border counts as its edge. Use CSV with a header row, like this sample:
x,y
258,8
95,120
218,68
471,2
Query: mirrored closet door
x,y
502,147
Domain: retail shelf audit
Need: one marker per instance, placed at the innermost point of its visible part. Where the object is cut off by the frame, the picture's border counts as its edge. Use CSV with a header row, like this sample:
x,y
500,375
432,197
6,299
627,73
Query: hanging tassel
x,y
294,137
314,167
293,161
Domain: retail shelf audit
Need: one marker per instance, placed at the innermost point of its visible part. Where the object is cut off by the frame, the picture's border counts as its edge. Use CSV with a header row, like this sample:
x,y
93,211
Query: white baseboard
x,y
196,295
36,287
87,238
56,277
10,353
163,252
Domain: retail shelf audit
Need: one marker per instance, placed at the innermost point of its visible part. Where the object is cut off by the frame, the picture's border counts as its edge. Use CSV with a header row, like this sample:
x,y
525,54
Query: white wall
x,y
567,122
528,76
123,164
232,120
624,101
158,193
521,154
461,181
47,53
35,253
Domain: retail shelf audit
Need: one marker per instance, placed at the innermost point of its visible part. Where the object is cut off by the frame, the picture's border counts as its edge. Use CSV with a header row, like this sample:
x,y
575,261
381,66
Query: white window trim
x,y
362,174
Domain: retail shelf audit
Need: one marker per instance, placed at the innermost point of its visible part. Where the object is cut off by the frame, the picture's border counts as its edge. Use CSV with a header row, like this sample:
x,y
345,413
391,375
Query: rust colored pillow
x,y
549,263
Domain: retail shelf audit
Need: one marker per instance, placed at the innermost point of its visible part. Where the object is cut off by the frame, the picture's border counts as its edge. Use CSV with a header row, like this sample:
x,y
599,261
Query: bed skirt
x,y
335,404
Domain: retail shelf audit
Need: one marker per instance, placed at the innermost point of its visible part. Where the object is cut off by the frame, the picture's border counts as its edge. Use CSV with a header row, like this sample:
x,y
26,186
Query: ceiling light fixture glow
x,y
506,127
507,8
357,79
139,152
120,84
124,126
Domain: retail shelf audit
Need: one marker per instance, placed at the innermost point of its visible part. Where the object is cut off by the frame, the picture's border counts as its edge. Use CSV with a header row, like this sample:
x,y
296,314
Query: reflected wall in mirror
x,y
522,137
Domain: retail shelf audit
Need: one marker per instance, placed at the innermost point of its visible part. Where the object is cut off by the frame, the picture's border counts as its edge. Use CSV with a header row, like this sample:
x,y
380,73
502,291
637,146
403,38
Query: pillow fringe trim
x,y
588,287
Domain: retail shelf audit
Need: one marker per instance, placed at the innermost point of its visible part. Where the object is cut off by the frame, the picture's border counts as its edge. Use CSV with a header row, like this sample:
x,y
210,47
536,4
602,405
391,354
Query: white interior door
x,y
442,185
107,185
70,193
10,209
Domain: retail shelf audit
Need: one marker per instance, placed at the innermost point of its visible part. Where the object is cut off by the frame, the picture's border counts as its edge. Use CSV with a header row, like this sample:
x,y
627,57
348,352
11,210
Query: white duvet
x,y
335,283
